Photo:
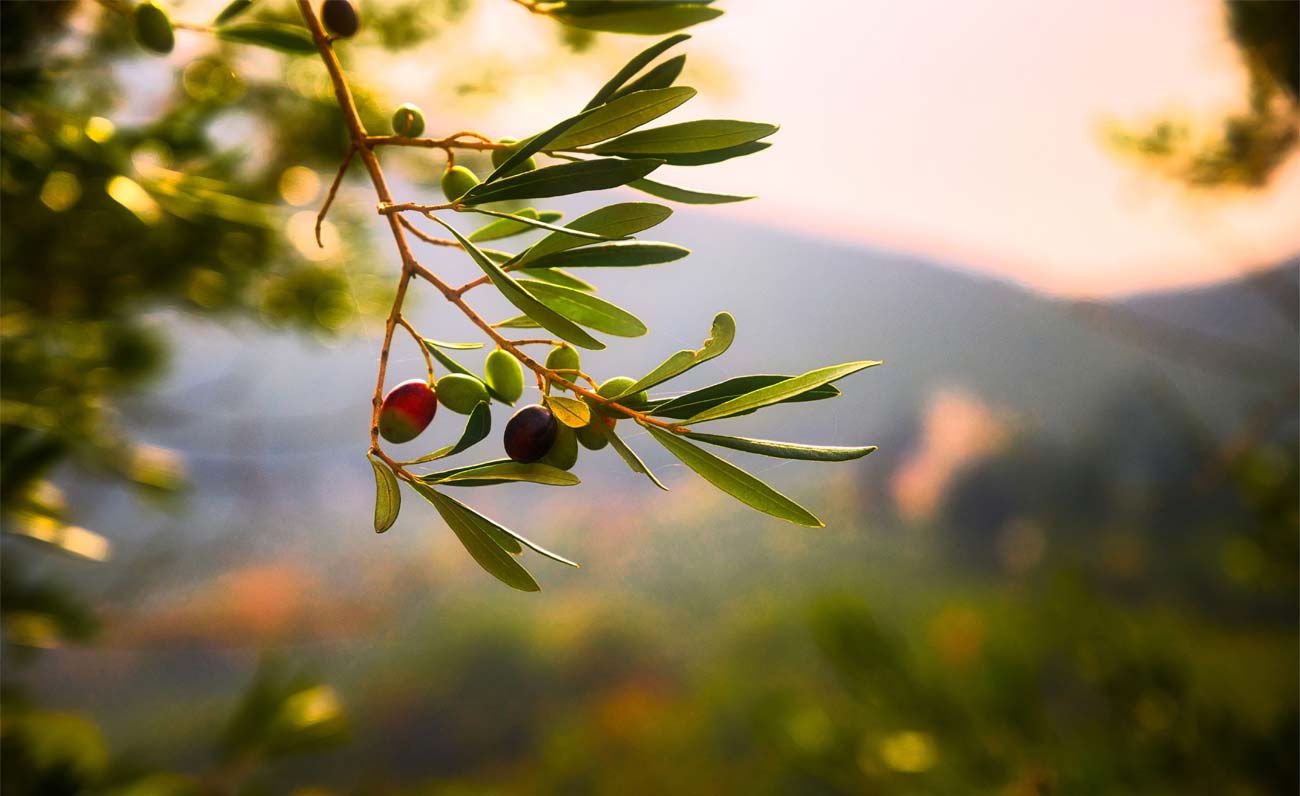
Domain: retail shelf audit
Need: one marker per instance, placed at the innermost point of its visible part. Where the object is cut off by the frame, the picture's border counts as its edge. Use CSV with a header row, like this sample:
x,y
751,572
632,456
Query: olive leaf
x,y
628,455
625,254
705,135
684,195
503,537
662,76
645,17
533,221
561,180
586,309
734,481
477,427
483,539
781,391
504,227
617,220
622,114
516,295
785,450
451,346
633,66
712,155
693,403
284,38
518,322
500,471
562,278
722,333
569,411
525,149
388,496
234,9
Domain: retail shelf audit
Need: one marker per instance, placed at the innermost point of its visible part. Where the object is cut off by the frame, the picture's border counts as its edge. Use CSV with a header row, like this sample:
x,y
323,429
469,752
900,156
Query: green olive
x,y
564,358
591,436
499,156
153,28
408,120
457,181
460,393
564,451
504,375
617,385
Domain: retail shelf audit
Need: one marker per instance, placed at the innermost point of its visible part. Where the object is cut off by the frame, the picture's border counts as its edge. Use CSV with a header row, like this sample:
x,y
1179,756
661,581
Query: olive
x,y
408,120
591,436
499,156
530,433
617,385
504,375
460,393
407,410
564,358
456,182
153,28
340,17
564,451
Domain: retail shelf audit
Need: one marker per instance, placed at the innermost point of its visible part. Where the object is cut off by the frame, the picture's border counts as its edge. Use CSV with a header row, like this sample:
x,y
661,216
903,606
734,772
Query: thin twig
x,y
419,342
334,189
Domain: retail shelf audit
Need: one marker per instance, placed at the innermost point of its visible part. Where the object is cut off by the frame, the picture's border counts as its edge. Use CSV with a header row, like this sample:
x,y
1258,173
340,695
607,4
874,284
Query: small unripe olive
x,y
407,410
460,393
408,120
456,182
153,28
504,375
530,433
591,436
564,451
340,17
617,385
499,156
564,358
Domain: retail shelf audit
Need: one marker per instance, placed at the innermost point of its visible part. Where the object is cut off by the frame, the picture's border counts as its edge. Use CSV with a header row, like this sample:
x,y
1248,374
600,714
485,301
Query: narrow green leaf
x,y
621,115
642,17
720,337
503,227
562,180
482,545
533,221
684,195
623,254
518,322
477,427
388,496
452,346
586,309
507,539
550,216
662,76
569,411
530,146
712,156
781,391
562,278
693,403
785,450
285,38
633,66
617,220
516,295
705,135
232,10
629,456
502,471
735,481
455,367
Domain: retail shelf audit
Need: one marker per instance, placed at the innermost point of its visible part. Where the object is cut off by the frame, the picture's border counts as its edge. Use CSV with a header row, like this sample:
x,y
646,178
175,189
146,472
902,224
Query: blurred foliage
x,y
1251,144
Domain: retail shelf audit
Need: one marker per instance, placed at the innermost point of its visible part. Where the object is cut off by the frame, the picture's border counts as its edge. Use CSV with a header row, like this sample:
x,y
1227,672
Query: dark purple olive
x,y
530,433
340,17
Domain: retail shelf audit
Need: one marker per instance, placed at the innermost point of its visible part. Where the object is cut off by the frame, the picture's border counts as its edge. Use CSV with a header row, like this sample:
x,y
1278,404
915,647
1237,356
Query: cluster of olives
x,y
154,31
533,434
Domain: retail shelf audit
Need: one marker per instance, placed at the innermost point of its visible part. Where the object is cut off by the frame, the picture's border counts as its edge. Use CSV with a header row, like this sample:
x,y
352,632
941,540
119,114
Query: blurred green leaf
x,y
516,295
586,309
500,471
785,450
284,38
483,539
625,218
628,455
734,481
662,76
695,402
684,195
477,427
562,180
626,254
705,135
233,10
781,391
643,17
633,66
388,497
722,333
622,114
